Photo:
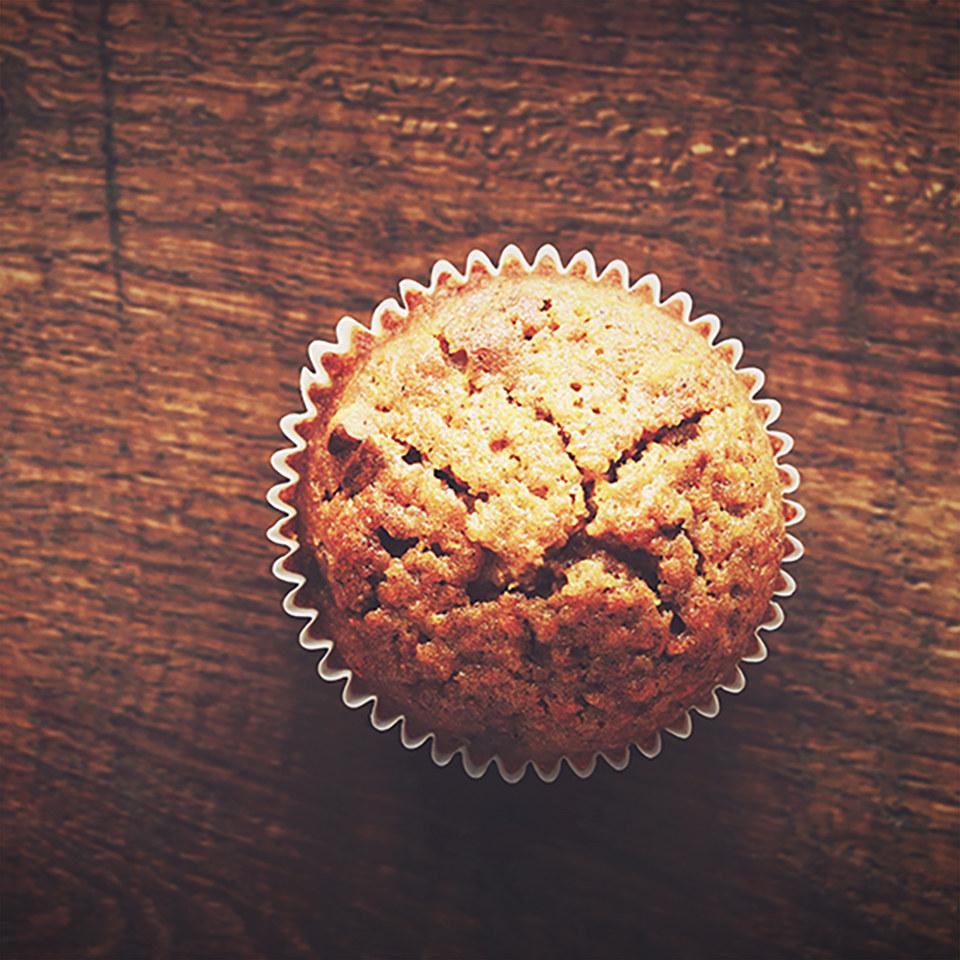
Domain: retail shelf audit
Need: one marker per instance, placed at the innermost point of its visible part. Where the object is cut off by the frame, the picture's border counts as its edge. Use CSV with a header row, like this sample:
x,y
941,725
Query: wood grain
x,y
194,191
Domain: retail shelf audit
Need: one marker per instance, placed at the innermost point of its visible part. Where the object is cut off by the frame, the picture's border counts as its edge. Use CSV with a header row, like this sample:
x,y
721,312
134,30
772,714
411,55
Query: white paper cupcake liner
x,y
708,326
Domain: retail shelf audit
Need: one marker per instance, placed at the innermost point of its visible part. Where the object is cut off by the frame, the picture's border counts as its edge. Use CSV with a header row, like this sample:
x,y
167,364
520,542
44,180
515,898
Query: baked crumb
x,y
544,513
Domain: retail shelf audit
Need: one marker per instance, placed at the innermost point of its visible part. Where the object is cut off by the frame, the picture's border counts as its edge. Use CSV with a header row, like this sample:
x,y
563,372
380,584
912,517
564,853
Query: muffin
x,y
537,513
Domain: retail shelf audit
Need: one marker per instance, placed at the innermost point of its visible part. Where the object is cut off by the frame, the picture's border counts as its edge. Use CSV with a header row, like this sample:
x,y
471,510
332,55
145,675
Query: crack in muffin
x,y
540,516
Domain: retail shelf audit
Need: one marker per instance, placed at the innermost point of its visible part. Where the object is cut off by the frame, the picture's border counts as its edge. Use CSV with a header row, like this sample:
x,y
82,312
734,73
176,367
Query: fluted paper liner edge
x,y
709,327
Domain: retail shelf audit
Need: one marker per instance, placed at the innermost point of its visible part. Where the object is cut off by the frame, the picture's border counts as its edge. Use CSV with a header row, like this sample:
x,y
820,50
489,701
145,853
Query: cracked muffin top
x,y
539,515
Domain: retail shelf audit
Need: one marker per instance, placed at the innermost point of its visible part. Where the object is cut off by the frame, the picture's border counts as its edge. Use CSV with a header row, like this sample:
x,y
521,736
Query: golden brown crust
x,y
545,514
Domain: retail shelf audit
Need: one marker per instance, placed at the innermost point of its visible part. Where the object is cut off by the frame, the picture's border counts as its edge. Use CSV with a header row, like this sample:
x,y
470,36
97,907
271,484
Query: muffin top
x,y
539,514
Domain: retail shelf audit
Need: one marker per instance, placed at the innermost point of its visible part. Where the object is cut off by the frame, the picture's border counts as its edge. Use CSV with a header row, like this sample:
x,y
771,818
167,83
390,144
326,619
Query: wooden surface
x,y
194,191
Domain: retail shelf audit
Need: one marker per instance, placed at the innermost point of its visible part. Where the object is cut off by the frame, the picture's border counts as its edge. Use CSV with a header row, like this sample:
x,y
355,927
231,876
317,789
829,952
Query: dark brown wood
x,y
194,191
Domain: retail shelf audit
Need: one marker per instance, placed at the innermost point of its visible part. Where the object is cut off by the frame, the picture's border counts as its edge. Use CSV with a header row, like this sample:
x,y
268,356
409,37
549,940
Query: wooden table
x,y
194,191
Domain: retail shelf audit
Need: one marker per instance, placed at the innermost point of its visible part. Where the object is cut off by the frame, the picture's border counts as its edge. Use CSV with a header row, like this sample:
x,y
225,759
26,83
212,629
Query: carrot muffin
x,y
539,514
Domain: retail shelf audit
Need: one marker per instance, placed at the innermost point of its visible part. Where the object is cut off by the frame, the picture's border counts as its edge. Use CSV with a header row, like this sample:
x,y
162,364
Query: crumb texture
x,y
545,514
